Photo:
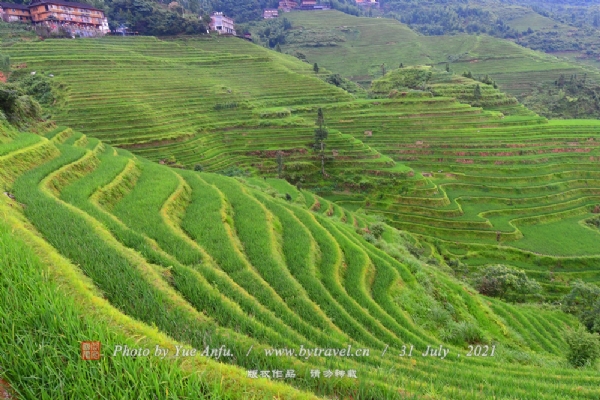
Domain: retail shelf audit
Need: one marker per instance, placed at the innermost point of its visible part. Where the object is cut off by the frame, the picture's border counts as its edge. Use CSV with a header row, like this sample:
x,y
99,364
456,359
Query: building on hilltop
x,y
367,3
222,24
76,18
15,12
308,4
270,13
287,5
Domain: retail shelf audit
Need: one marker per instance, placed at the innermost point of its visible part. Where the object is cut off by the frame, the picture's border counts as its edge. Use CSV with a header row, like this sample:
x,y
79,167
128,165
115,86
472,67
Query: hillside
x,y
152,215
356,48
214,261
484,176
145,95
569,27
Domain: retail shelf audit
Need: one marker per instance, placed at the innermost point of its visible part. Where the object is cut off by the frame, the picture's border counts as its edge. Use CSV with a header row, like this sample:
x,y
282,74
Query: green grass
x,y
569,238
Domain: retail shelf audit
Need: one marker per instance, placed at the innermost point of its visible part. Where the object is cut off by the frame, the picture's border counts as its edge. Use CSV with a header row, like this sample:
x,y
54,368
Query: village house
x,y
367,3
15,12
270,13
308,4
221,24
70,14
79,18
287,5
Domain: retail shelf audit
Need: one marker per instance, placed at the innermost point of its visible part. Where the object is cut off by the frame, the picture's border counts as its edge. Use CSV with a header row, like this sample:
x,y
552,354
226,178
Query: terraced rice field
x,y
153,255
479,179
219,102
366,43
513,181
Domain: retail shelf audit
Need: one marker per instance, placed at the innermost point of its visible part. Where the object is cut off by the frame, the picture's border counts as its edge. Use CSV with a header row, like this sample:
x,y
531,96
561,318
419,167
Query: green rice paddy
x,y
132,251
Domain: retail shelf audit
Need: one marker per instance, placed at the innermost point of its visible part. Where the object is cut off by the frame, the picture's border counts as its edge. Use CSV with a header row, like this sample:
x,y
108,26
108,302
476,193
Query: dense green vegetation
x,y
431,209
550,26
357,48
567,97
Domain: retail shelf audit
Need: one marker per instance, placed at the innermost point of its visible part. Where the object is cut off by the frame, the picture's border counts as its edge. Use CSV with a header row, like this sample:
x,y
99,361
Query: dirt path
x,y
5,394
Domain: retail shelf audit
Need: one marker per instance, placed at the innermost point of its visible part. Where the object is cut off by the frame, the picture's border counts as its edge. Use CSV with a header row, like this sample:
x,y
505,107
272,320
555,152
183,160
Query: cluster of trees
x,y
149,17
154,17
443,17
485,79
345,6
20,97
570,96
272,32
446,17
584,343
506,283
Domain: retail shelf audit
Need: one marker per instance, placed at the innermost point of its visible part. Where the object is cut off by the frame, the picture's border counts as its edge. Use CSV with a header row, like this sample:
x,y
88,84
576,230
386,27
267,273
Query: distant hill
x,y
549,26
357,47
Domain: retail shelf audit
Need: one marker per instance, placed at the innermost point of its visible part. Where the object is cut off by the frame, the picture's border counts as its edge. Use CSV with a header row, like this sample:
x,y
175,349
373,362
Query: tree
x,y
316,69
447,67
584,347
321,134
383,69
401,65
279,163
506,283
584,302
477,92
286,24
278,48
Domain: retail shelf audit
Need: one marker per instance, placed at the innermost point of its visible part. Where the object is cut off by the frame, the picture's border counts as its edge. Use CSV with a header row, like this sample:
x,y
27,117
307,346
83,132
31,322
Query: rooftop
x,y
64,3
13,5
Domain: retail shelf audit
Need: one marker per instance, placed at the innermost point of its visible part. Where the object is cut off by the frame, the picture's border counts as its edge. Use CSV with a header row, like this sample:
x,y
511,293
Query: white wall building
x,y
221,24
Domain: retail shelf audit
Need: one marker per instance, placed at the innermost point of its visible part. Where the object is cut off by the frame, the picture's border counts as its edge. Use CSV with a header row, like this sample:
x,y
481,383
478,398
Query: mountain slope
x,y
360,45
269,273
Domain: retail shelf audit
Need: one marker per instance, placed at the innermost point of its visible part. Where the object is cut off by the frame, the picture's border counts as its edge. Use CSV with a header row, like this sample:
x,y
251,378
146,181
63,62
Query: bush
x,y
18,108
369,237
198,168
39,87
584,347
584,302
417,252
506,283
377,229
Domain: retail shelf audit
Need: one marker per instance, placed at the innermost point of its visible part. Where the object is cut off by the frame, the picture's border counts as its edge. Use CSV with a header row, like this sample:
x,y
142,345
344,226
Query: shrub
x,y
584,347
39,87
417,252
506,283
18,108
198,168
594,222
377,229
369,237
584,302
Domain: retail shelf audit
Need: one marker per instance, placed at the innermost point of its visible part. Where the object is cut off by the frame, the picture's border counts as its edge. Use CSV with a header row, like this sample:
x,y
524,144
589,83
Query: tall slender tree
x,y
477,92
321,134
